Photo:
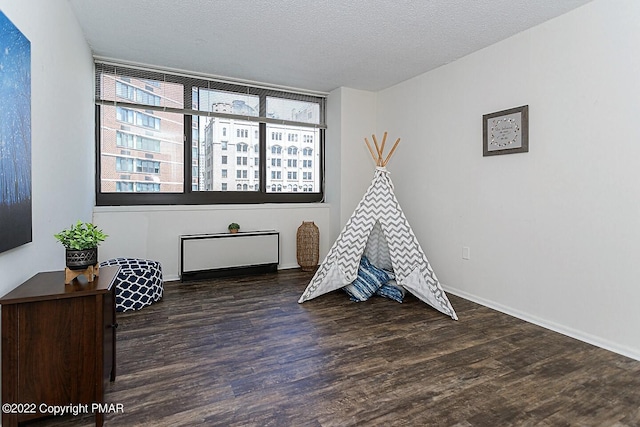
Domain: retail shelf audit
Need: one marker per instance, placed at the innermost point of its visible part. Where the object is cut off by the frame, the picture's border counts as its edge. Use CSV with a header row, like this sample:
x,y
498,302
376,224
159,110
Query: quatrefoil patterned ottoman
x,y
138,284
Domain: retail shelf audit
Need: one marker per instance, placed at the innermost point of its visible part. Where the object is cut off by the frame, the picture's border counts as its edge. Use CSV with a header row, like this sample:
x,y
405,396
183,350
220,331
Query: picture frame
x,y
506,132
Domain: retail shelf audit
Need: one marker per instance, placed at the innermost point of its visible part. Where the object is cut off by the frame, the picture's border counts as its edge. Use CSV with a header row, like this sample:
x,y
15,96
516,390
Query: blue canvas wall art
x,y
15,136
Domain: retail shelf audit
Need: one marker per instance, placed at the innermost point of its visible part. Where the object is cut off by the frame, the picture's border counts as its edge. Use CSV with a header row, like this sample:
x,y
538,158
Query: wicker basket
x,y
308,246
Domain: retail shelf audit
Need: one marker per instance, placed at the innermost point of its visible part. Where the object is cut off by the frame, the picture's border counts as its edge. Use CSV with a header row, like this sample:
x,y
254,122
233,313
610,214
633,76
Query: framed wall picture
x,y
15,137
506,132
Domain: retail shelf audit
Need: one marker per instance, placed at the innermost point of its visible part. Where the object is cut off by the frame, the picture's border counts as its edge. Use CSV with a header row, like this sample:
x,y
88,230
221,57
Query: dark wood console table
x,y
58,344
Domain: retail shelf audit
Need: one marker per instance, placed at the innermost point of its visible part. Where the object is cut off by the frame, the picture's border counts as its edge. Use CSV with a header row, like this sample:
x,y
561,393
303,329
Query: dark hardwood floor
x,y
243,352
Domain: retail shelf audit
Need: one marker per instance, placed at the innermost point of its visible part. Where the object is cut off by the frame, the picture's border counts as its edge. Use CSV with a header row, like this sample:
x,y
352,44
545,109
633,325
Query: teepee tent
x,y
379,230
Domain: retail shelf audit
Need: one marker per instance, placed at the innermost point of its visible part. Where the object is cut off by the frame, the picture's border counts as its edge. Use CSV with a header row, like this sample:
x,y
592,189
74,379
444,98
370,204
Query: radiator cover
x,y
224,254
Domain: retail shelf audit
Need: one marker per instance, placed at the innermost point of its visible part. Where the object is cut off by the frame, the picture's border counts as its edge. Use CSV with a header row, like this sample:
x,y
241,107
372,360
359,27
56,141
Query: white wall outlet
x,y
466,252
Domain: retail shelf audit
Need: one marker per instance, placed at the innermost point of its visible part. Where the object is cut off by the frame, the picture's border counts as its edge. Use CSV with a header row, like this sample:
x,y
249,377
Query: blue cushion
x,y
369,279
392,291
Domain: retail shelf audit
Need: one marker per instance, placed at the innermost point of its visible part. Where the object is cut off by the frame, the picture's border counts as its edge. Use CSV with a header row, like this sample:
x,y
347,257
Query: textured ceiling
x,y
315,45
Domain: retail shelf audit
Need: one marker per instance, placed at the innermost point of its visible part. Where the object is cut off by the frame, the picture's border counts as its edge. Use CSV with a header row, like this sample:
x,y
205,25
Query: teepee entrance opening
x,y
379,230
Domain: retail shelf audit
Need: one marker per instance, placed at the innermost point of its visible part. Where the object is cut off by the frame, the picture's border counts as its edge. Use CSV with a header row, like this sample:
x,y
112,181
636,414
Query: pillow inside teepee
x,y
369,280
392,291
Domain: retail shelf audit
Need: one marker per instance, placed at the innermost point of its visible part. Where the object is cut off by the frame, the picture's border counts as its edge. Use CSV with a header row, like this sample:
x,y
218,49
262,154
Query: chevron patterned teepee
x,y
379,230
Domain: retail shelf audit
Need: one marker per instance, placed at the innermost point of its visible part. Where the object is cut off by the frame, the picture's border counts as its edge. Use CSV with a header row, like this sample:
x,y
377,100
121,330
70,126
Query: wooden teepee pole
x,y
391,153
379,158
384,139
375,141
375,158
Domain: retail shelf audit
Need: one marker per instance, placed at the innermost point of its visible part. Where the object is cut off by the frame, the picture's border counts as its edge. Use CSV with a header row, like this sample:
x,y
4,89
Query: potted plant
x,y
234,227
81,242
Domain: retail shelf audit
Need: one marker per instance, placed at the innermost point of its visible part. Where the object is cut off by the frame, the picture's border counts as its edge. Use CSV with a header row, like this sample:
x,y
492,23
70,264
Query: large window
x,y
173,139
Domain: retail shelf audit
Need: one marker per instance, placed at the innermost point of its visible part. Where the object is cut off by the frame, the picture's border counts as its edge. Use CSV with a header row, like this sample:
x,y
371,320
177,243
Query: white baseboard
x,y
527,317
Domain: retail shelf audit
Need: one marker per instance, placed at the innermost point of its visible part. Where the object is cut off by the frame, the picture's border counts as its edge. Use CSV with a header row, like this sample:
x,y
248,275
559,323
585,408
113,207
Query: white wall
x,y
332,162
553,233
153,232
354,111
62,133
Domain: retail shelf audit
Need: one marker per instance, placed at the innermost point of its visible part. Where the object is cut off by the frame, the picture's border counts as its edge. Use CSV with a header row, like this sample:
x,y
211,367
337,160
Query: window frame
x,y
188,196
